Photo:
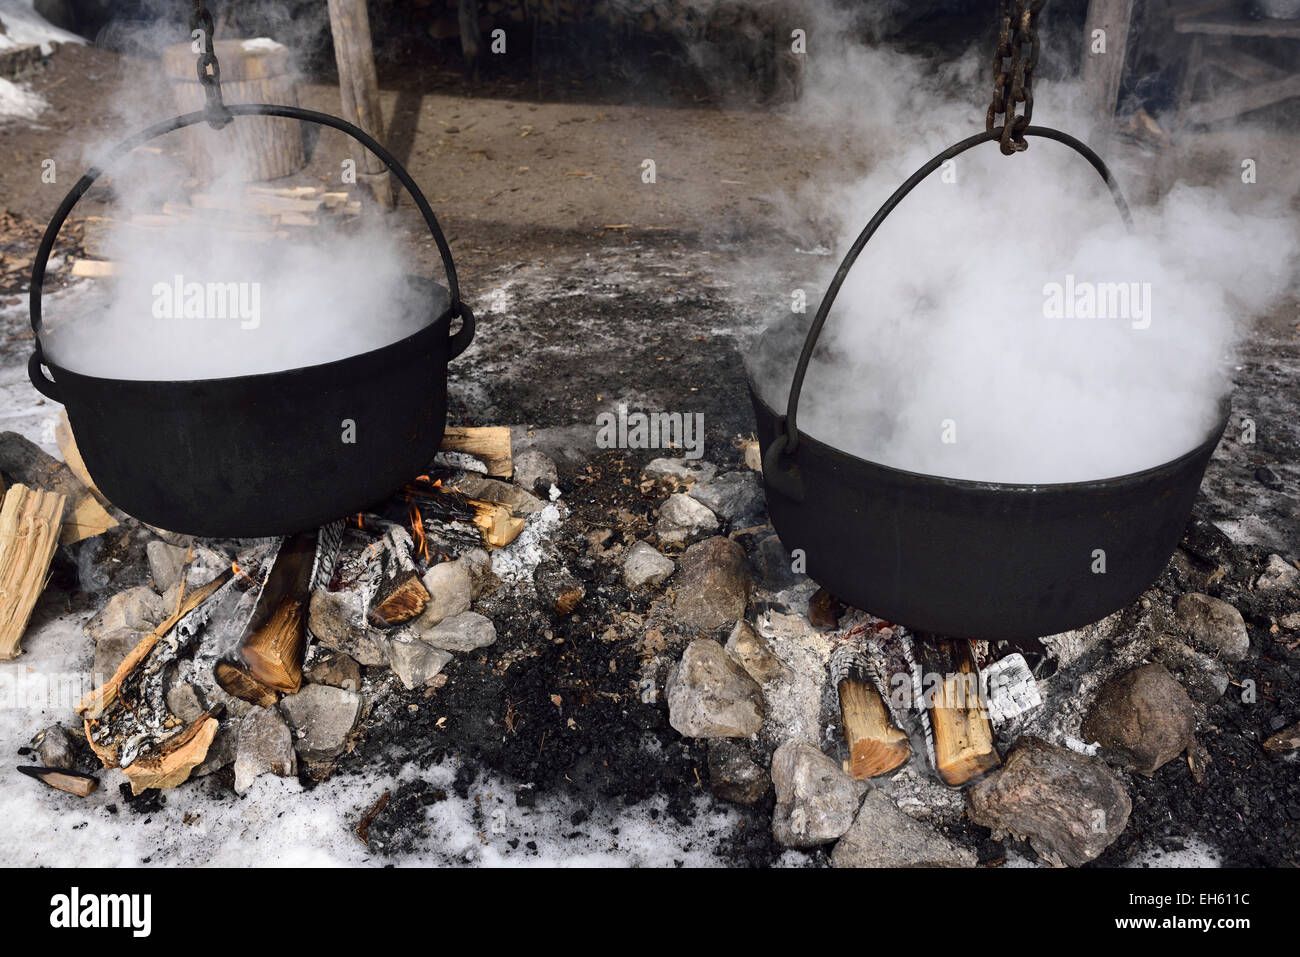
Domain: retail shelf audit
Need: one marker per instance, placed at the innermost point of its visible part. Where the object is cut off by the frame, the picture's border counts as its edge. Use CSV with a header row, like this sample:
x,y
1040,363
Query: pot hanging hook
x,y
1013,75
207,67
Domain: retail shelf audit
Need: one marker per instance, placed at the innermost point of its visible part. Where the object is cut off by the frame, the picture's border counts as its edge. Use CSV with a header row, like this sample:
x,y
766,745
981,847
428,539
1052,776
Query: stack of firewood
x,y
258,214
44,503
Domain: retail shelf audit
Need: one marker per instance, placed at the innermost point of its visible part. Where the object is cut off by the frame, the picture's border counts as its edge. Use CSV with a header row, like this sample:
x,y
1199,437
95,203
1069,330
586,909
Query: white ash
x,y
518,560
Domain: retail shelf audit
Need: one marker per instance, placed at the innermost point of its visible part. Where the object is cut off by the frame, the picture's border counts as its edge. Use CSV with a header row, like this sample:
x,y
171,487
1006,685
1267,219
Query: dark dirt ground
x,y
496,162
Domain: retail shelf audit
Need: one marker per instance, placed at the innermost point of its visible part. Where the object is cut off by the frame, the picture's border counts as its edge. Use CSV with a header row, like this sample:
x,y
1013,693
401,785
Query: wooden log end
x,y
401,601
73,782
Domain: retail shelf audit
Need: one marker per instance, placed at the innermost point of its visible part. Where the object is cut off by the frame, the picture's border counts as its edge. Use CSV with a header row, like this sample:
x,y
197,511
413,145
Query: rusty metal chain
x,y
207,67
1013,72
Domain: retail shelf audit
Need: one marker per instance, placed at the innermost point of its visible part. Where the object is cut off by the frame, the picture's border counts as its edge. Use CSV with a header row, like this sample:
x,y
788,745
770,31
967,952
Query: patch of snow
x,y
18,101
1194,853
261,43
24,25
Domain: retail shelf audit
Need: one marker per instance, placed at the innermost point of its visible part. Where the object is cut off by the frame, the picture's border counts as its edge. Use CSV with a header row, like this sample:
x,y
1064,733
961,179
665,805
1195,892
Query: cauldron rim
x,y
823,450
395,347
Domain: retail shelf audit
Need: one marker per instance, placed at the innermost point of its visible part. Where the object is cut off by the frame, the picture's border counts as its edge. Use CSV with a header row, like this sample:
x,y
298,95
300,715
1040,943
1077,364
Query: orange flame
x,y
234,567
417,530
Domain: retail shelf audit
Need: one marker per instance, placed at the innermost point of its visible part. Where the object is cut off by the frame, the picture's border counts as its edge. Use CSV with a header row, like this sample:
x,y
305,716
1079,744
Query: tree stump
x,y
251,147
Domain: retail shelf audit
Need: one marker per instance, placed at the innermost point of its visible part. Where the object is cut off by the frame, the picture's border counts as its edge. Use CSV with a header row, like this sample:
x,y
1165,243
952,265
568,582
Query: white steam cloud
x,y
965,343
214,293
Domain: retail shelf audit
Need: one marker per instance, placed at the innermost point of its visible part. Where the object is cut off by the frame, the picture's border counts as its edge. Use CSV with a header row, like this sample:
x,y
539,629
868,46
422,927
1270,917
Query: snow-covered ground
x,y
24,25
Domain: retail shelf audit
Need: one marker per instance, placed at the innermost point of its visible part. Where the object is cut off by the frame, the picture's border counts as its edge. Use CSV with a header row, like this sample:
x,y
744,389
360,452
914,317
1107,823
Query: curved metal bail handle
x,y
788,432
459,341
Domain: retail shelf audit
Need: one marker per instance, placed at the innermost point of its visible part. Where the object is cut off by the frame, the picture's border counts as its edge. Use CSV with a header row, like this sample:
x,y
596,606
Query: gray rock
x,y
166,563
332,668
479,565
264,744
139,609
733,774
222,751
450,587
535,471
1214,626
465,632
173,596
414,662
733,496
184,702
883,836
1071,806
710,696
322,717
682,519
1290,622
712,585
752,652
1279,576
205,565
772,564
111,650
1205,678
679,471
1142,718
56,748
815,799
644,565
234,708
337,621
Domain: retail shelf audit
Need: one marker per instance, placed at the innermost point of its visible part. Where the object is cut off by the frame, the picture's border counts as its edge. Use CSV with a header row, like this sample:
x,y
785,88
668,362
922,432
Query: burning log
x,y
876,746
963,734
29,535
26,462
128,722
398,593
266,654
497,524
170,765
490,444
73,782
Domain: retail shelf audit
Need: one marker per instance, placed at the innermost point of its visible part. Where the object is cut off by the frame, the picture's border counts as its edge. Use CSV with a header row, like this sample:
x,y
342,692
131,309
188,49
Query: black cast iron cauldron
x,y
962,558
259,455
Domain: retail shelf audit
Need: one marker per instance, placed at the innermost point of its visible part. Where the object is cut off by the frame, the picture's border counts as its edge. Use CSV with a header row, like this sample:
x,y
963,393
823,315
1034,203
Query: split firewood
x,y
296,219
287,192
398,593
128,723
171,764
98,701
26,462
963,734
498,525
489,444
29,536
93,268
71,454
876,746
268,657
261,204
73,782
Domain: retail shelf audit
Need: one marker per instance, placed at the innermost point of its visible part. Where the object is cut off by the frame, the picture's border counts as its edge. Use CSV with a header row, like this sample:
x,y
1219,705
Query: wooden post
x,y
359,89
1102,72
